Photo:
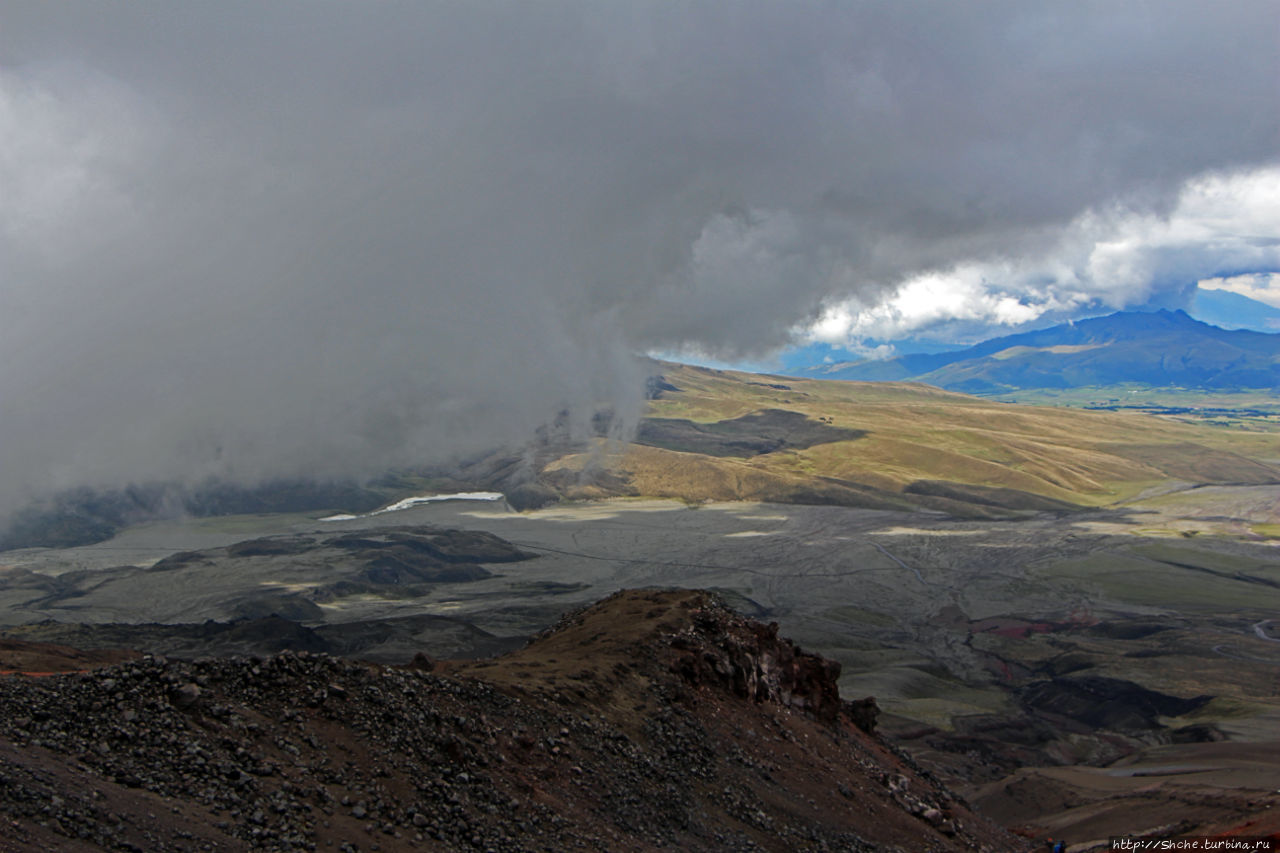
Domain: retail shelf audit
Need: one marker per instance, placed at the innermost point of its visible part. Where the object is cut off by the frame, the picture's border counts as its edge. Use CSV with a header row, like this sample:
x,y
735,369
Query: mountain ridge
x,y
1230,310
652,719
1162,348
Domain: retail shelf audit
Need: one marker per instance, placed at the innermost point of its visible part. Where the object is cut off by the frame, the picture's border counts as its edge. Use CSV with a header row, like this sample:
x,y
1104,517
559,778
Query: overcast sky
x,y
259,239
1222,232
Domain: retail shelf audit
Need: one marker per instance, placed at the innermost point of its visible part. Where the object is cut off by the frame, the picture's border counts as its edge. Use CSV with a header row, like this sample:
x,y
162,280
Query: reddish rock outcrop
x,y
753,662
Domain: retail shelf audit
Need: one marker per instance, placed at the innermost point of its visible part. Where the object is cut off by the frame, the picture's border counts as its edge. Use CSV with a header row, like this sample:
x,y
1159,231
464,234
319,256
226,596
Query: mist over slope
x,y
254,243
712,435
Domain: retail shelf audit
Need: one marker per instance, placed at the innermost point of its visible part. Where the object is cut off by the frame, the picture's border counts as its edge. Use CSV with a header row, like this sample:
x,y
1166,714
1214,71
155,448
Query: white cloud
x,y
962,293
1104,259
1264,287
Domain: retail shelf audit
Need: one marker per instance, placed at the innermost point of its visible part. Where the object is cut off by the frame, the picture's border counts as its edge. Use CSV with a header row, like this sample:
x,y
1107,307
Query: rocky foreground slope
x,y
652,720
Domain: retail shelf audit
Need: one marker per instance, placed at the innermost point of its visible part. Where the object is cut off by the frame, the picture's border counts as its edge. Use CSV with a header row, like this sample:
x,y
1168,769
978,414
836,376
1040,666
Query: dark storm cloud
x,y
256,239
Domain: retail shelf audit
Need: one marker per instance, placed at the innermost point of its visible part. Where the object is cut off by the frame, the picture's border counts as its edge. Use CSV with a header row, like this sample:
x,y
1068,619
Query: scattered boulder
x,y
863,713
184,696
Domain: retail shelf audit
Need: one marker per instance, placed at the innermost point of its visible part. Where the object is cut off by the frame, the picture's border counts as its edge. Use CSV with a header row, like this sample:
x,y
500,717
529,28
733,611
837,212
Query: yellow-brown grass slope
x,y
914,444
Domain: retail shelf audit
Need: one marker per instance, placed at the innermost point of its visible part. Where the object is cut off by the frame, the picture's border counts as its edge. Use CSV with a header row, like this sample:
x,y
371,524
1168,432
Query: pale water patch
x,y
608,509
920,531
285,586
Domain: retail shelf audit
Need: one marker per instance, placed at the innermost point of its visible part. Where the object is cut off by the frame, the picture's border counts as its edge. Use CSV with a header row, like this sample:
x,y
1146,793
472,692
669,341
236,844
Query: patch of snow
x,y
425,499
421,499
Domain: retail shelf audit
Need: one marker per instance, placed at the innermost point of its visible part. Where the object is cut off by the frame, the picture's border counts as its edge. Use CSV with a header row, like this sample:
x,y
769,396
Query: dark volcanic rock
x,y
432,544
752,661
863,713
269,635
1128,629
1197,733
393,640
290,606
1089,720
291,575
534,751
1106,703
271,546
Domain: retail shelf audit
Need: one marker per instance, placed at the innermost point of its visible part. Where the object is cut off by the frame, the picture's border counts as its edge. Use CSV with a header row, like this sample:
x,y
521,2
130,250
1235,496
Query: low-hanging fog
x,y
250,240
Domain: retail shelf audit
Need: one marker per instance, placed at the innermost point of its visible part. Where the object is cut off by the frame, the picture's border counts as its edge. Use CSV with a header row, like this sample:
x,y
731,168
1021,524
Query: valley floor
x,y
956,627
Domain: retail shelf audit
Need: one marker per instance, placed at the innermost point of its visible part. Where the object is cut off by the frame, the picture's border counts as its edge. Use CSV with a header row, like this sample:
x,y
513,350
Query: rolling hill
x,y
1158,348
713,435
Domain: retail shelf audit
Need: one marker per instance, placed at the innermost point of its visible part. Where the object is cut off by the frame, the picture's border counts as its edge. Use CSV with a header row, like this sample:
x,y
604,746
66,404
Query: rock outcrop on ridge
x,y
652,720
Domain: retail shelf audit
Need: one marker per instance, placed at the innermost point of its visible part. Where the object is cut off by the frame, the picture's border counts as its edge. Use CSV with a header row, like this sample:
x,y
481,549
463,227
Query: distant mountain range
x,y
1233,311
1158,348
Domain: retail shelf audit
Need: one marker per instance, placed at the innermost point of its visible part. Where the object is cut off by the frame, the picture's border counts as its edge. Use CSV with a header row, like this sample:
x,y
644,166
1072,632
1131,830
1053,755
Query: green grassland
x,y
1159,576
1141,395
1257,410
